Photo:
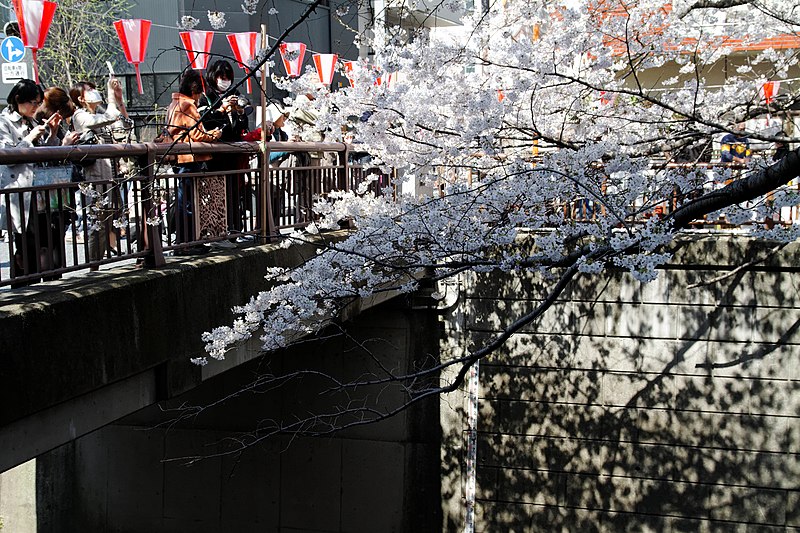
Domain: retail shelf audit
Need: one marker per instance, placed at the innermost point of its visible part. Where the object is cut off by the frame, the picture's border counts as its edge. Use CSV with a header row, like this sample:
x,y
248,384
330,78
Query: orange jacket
x,y
182,115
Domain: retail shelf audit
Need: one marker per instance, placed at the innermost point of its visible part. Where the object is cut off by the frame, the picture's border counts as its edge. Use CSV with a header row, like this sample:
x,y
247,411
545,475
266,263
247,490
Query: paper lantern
x,y
384,78
198,45
769,90
349,67
243,46
133,35
292,55
325,65
34,18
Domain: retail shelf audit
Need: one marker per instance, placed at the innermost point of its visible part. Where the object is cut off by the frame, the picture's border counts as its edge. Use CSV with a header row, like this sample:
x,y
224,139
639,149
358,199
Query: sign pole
x,y
267,223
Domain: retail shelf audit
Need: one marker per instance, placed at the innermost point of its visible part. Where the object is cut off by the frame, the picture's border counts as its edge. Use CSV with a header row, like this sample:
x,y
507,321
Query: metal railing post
x,y
267,222
344,169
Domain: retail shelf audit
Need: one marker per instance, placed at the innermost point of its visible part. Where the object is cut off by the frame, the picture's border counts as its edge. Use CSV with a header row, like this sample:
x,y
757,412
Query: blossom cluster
x,y
529,121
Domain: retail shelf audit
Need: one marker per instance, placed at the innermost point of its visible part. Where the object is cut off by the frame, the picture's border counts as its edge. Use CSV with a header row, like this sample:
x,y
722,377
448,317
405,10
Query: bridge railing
x,y
147,208
705,177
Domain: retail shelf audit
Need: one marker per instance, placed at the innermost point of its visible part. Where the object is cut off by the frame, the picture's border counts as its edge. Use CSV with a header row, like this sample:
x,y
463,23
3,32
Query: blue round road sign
x,y
12,49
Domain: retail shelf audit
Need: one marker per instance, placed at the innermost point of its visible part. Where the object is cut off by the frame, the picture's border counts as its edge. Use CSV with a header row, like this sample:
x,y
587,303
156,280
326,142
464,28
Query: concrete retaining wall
x,y
671,406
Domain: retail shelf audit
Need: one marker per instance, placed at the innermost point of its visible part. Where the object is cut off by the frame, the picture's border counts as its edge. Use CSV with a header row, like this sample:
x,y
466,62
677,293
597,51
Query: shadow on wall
x,y
232,456
664,407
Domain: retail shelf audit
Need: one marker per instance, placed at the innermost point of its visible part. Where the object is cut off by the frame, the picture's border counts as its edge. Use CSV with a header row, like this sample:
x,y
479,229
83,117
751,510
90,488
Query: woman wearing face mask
x,y
19,128
227,110
90,119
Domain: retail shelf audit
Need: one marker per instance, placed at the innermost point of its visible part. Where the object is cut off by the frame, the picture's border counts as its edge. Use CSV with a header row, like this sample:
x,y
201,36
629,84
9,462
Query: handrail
x,y
153,209
42,154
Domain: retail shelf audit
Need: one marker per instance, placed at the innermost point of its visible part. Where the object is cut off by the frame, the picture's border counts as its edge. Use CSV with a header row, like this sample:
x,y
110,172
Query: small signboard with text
x,y
13,72
14,63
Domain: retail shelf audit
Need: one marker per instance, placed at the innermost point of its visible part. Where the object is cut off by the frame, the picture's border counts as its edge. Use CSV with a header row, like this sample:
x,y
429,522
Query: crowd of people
x,y
209,110
35,117
204,109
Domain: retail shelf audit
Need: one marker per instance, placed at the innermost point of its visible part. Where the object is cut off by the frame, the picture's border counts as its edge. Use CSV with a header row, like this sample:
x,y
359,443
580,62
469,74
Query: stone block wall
x,y
670,406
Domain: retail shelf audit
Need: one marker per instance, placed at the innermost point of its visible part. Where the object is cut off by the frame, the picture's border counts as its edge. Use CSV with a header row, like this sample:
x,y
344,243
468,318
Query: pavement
x,y
76,254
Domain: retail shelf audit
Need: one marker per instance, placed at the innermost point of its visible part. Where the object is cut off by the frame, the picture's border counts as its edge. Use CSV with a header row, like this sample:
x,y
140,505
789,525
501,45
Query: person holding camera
x,y
92,123
57,106
20,128
228,111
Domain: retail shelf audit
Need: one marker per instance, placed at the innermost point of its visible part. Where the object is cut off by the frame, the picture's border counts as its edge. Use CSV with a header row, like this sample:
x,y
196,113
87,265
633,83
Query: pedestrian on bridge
x,y
226,109
183,125
29,220
93,124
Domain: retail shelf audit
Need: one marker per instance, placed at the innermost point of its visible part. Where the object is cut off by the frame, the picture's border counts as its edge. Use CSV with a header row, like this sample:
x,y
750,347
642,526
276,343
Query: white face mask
x,y
92,96
223,85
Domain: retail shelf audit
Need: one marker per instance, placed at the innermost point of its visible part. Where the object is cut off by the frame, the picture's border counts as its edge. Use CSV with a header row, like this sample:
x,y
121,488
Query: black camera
x,y
88,137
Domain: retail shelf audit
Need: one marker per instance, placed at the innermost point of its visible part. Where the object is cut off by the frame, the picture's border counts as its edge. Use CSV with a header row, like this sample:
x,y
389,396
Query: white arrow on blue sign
x,y
12,49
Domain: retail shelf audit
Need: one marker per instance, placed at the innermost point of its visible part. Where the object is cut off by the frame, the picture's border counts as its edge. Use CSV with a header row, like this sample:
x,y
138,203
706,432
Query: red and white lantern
x,y
387,79
292,55
349,67
34,18
769,90
326,66
133,35
197,45
243,46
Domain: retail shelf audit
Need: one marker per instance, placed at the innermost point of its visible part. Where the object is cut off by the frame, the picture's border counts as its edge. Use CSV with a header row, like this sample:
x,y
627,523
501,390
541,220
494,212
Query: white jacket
x,y
83,121
13,129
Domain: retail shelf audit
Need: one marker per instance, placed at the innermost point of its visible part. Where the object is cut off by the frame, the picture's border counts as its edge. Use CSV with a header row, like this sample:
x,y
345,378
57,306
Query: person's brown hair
x,y
191,83
56,100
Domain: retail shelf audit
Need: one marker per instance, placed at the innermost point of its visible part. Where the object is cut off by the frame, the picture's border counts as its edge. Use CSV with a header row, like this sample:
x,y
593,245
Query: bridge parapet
x,y
82,352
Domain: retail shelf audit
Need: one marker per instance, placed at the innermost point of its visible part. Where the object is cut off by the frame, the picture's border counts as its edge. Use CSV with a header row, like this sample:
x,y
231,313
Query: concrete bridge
x,y
669,407
83,353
